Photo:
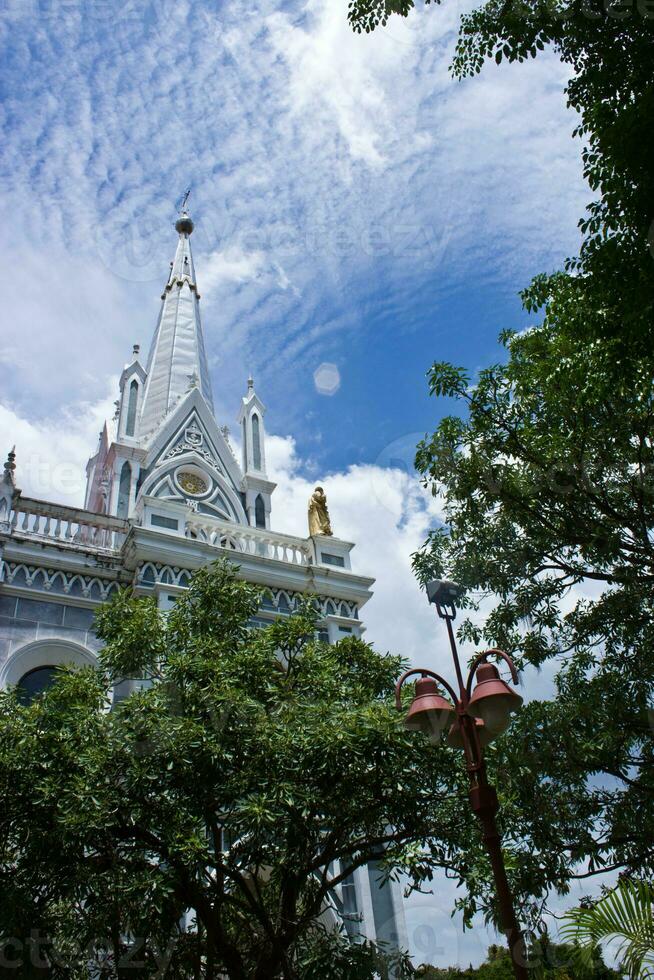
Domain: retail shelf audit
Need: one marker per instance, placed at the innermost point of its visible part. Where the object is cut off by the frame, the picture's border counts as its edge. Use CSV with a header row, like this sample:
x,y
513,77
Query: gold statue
x,y
318,514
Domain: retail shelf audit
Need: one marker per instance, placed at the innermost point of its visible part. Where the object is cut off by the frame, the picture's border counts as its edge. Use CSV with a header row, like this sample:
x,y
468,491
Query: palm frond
x,y
625,914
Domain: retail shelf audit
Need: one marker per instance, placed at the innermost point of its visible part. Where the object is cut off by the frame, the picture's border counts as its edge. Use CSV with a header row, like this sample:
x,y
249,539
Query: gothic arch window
x,y
32,668
256,442
259,511
35,682
131,408
123,490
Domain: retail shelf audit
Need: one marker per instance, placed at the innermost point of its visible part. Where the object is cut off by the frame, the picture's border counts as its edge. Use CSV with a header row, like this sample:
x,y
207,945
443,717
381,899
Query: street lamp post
x,y
474,718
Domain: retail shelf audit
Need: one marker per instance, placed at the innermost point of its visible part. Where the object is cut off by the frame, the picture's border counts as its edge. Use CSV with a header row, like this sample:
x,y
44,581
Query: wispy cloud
x,y
327,169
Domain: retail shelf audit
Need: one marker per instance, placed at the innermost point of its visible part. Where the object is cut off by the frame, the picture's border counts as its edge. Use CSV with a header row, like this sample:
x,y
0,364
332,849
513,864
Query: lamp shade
x,y
455,739
493,701
429,713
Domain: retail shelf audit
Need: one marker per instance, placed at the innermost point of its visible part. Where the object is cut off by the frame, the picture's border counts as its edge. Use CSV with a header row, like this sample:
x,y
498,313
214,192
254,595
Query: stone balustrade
x,y
74,527
68,526
250,540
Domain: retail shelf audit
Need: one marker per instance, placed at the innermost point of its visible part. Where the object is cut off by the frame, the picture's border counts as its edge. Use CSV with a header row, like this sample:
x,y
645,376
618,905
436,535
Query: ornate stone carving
x,y
192,483
282,601
10,468
59,582
193,442
193,434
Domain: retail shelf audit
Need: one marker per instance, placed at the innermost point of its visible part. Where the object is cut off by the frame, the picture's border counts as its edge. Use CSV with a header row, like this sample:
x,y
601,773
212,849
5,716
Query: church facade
x,y
166,495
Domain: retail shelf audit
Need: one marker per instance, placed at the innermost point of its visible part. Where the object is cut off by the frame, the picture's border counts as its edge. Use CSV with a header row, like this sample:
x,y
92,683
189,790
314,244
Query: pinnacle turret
x,y
10,468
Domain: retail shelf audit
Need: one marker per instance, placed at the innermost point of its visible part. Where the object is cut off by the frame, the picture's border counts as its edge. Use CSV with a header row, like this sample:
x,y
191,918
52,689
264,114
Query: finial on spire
x,y
250,383
184,225
136,350
10,466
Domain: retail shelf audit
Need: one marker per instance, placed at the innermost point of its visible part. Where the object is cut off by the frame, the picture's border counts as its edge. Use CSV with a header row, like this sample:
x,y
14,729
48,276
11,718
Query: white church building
x,y
166,495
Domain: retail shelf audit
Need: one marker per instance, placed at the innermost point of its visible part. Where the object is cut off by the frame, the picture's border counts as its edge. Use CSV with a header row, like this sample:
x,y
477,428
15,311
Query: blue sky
x,y
354,207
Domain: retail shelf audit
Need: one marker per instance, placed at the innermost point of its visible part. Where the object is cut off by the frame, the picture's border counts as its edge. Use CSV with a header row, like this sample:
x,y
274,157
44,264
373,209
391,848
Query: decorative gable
x,y
194,439
190,460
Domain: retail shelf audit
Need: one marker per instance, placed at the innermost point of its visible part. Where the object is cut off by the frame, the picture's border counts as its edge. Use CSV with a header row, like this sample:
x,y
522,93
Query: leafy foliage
x,y
545,467
549,507
625,913
549,961
201,827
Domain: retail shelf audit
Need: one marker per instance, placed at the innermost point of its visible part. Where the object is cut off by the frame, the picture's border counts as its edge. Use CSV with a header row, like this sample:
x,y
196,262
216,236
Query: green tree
x,y
201,826
545,468
549,505
550,961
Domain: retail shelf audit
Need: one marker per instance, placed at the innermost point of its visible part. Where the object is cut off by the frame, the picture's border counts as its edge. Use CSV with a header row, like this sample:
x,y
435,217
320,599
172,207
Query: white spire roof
x,y
177,359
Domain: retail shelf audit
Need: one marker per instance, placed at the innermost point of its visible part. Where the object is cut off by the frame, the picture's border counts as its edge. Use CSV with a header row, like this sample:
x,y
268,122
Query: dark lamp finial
x,y
184,225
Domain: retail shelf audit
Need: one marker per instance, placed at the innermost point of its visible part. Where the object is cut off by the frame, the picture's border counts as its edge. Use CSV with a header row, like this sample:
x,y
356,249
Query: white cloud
x,y
73,323
232,264
387,515
51,453
323,163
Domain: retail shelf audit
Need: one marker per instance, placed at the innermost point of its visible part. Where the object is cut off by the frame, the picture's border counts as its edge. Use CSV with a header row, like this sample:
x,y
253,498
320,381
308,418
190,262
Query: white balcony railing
x,y
68,526
250,540
80,529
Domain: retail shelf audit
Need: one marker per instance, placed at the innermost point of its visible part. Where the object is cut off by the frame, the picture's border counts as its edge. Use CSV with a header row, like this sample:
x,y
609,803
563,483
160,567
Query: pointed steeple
x,y
177,353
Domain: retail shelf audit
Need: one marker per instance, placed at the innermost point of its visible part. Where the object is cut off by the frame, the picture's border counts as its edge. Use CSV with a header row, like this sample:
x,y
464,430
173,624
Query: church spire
x,y
177,357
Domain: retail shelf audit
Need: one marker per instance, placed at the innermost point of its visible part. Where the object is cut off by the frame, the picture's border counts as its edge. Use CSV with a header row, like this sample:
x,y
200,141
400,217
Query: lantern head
x,y
429,713
493,701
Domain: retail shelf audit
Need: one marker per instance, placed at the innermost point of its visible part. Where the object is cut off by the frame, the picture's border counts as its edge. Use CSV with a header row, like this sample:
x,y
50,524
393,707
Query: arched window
x,y
259,511
131,408
35,682
123,490
245,444
256,442
32,668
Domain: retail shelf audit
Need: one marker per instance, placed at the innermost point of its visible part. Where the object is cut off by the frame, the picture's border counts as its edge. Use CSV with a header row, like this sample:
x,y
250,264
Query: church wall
x,y
24,620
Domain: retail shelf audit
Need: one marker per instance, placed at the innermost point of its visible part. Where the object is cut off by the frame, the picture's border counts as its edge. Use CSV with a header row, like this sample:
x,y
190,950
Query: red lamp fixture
x,y
474,718
430,713
492,700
